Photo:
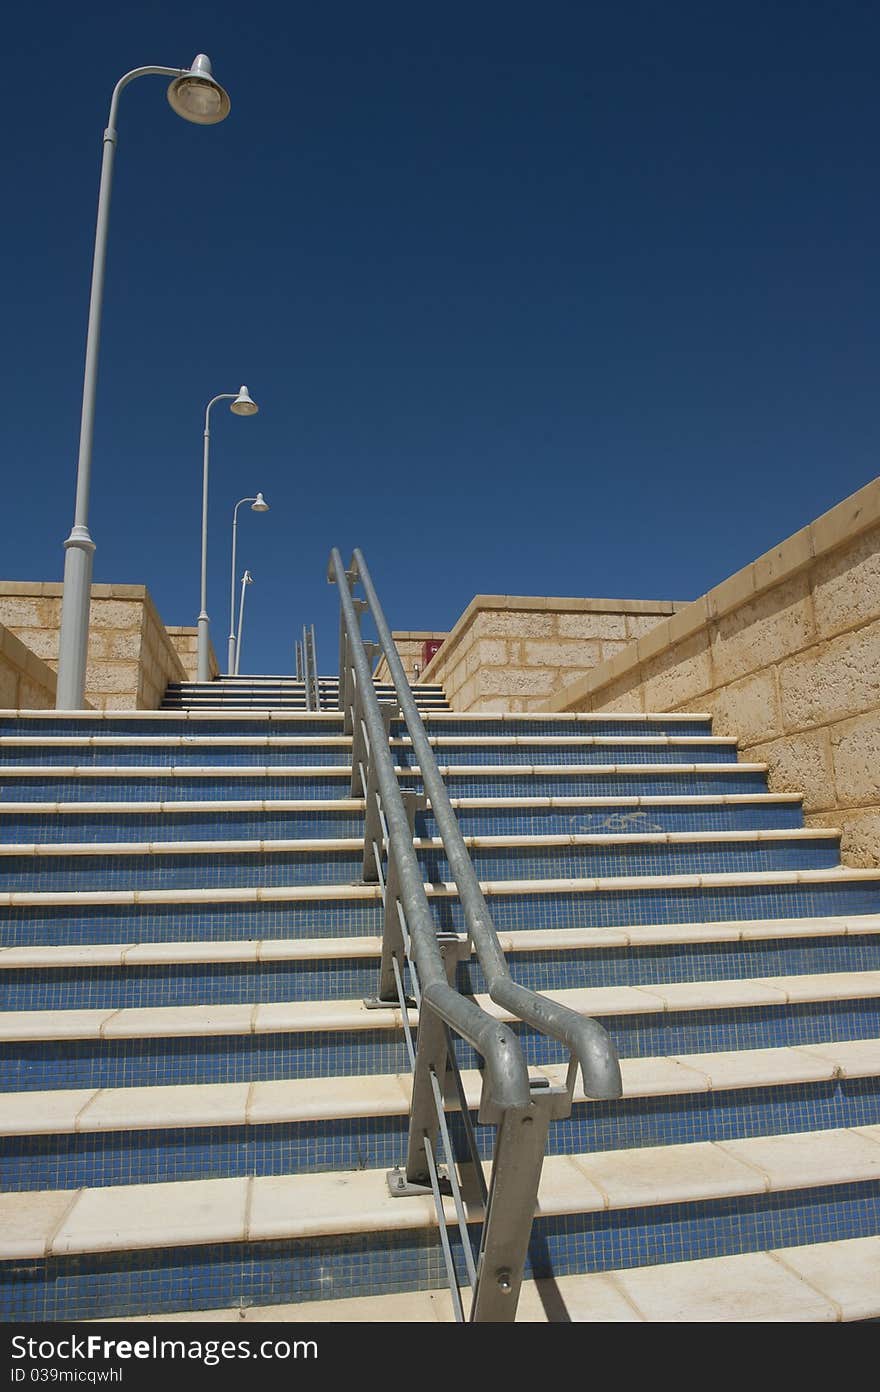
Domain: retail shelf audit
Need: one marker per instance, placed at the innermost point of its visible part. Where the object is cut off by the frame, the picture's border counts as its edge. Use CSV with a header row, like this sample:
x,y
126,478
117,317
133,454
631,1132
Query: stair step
x,y
51,1223
189,1106
352,1015
822,1282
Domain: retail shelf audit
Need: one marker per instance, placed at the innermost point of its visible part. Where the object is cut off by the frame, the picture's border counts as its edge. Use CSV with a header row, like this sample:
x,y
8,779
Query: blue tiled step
x,y
157,1155
159,916
61,822
308,752
152,785
144,784
205,869
47,726
314,751
240,1043
681,1217
146,1136
223,982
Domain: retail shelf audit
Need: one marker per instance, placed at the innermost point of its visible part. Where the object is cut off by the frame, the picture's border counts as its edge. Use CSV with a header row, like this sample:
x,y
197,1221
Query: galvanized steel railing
x,y
522,1109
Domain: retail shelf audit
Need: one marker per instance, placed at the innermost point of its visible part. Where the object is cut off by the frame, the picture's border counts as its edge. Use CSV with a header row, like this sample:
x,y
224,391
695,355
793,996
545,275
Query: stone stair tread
x,y
66,1111
349,844
330,1015
35,1224
85,955
341,770
822,1283
12,809
444,889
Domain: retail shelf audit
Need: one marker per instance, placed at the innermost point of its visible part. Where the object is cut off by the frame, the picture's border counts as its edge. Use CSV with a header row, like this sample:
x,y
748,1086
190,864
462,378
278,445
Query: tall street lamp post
x,y
242,405
258,504
197,97
246,579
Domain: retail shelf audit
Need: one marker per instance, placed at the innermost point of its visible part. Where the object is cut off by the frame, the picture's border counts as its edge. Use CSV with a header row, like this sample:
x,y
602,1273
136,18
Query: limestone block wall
x,y
512,652
408,643
130,656
185,642
785,655
26,683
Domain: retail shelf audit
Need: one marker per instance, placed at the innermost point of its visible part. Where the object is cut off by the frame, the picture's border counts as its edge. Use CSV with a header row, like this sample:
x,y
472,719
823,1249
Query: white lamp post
x,y
242,405
258,504
246,579
197,97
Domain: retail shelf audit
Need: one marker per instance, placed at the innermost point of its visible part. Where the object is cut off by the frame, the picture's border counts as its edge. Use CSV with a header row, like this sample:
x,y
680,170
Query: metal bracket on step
x,y
376,1003
399,1187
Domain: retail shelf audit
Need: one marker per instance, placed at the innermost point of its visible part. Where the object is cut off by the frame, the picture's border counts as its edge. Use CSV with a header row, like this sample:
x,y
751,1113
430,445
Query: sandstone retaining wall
x,y
130,656
786,656
511,652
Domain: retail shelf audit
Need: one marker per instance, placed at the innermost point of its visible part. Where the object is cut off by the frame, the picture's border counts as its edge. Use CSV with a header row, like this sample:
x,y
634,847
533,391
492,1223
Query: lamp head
x,y
243,405
259,504
197,96
247,578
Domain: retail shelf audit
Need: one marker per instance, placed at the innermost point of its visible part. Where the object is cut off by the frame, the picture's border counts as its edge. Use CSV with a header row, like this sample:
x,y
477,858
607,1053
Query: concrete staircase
x,y
198,1111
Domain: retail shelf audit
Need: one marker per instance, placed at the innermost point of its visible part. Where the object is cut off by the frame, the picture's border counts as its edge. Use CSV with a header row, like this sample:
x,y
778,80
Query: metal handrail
x,y
587,1040
521,1109
506,1080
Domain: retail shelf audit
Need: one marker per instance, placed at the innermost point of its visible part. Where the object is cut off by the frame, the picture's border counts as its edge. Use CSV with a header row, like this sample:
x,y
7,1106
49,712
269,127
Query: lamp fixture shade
x,y
197,96
247,578
243,405
259,504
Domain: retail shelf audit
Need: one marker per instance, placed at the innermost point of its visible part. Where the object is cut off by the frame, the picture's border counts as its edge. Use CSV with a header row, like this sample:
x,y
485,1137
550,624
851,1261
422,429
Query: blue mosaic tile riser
x,y
38,1065
342,978
320,755
304,725
237,826
215,922
203,1278
88,827
243,869
638,782
209,788
56,726
156,1156
239,1058
215,787
576,754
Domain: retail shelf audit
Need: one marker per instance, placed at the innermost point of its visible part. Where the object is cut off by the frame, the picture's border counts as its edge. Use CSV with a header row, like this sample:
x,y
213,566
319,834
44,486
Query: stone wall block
x,y
115,613
831,682
515,624
584,654
637,625
19,611
846,585
801,765
748,709
515,681
855,752
860,841
763,631
611,626
679,675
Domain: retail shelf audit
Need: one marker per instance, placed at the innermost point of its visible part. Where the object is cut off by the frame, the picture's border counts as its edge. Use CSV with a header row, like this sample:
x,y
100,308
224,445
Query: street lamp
x,y
246,579
196,96
242,405
258,504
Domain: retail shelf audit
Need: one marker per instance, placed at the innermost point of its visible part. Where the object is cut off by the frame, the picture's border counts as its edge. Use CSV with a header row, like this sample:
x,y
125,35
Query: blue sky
x,y
570,299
